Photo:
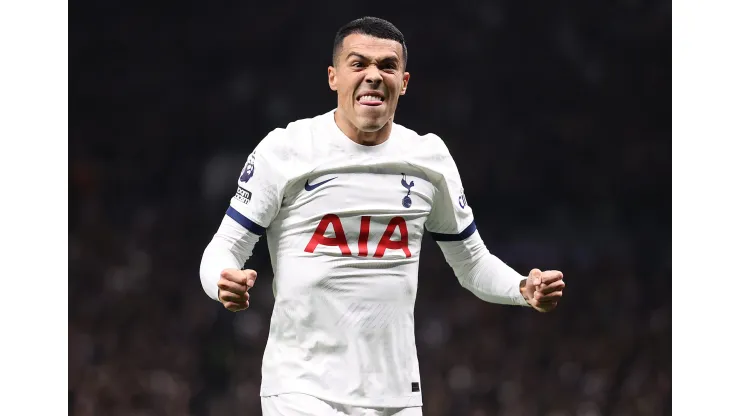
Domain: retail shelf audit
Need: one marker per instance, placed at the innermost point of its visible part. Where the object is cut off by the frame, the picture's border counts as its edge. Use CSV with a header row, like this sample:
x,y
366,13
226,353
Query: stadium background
x,y
558,116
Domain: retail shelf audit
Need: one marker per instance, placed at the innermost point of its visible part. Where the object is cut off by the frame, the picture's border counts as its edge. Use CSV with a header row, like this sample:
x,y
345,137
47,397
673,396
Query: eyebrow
x,y
365,58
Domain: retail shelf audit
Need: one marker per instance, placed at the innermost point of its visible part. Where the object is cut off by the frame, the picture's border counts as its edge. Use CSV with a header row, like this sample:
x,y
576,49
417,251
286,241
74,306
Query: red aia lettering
x,y
364,234
319,237
340,240
386,242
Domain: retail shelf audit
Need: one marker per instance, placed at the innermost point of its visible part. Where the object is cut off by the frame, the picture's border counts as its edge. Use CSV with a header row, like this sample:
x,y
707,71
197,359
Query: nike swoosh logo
x,y
316,185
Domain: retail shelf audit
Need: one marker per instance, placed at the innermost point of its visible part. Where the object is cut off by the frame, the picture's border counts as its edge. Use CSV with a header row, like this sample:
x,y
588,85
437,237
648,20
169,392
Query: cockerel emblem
x,y
406,201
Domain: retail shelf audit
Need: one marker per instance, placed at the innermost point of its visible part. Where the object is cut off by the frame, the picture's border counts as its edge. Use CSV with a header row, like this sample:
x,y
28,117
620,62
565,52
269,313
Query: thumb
x,y
234,275
536,276
249,277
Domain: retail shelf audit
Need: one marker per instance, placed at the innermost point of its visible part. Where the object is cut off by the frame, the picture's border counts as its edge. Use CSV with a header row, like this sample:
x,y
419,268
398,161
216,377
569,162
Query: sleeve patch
x,y
242,195
248,171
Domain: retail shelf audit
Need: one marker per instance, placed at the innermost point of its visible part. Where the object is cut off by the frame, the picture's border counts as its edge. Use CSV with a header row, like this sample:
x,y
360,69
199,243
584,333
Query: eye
x,y
356,64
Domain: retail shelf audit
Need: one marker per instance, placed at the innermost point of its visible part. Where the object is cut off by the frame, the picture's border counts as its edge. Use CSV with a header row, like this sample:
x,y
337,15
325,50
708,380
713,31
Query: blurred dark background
x,y
558,114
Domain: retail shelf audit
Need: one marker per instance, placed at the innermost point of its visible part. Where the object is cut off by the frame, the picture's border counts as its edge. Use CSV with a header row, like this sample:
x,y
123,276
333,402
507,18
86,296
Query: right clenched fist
x,y
233,286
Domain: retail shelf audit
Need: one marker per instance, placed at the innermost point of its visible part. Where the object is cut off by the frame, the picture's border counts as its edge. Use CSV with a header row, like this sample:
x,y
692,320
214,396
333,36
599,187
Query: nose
x,y
372,75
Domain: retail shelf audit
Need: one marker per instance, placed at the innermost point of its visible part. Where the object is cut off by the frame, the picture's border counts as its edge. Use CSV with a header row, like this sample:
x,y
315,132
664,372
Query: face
x,y
368,77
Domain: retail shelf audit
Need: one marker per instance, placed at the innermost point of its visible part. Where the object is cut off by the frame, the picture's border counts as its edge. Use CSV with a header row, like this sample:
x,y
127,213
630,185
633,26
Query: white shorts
x,y
299,404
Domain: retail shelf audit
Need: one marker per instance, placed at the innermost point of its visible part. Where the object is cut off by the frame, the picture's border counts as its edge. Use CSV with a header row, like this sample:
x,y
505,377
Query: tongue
x,y
375,101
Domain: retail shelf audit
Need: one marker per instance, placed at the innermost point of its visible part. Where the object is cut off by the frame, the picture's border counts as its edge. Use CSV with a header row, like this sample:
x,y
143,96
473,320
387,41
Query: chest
x,y
386,190
360,206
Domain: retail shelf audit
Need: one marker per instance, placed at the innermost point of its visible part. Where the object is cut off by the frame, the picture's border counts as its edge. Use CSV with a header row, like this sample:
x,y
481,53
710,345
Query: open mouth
x,y
370,99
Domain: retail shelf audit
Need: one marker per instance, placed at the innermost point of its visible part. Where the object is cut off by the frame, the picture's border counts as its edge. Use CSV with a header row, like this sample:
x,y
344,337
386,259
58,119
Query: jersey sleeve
x,y
260,186
451,218
451,224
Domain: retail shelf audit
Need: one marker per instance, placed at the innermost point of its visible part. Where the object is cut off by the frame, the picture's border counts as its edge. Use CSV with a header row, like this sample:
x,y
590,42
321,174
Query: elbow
x,y
209,276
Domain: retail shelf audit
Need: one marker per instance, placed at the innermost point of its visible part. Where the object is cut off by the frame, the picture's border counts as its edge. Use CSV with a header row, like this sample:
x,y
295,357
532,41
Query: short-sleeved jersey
x,y
344,225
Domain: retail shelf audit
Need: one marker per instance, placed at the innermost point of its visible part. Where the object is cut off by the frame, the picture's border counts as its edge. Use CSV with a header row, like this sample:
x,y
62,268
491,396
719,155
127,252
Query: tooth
x,y
372,98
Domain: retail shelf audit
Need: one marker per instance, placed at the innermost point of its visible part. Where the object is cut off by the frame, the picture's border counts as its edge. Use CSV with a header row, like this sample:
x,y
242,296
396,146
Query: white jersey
x,y
344,225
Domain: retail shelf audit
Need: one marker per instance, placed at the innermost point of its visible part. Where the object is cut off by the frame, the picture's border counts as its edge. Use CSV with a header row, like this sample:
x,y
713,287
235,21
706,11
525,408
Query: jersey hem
x,y
412,400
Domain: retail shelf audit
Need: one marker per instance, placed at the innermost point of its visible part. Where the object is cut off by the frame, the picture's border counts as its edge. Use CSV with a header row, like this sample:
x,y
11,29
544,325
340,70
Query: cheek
x,y
348,89
345,92
395,84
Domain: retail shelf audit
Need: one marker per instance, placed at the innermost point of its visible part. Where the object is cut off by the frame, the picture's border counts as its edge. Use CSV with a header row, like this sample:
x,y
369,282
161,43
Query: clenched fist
x,y
233,287
543,290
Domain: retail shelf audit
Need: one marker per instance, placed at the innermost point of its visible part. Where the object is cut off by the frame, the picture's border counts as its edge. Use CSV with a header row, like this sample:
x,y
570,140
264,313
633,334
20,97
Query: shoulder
x,y
428,143
288,142
285,151
429,150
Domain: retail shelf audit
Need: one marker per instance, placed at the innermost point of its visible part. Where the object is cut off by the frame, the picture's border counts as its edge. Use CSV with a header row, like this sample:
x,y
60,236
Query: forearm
x,y
230,248
482,273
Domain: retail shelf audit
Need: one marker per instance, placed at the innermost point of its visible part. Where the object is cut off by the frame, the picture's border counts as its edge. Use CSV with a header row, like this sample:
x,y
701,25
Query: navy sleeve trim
x,y
244,221
467,232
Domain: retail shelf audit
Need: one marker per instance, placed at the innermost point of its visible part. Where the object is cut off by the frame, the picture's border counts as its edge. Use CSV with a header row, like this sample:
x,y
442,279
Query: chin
x,y
371,124
370,128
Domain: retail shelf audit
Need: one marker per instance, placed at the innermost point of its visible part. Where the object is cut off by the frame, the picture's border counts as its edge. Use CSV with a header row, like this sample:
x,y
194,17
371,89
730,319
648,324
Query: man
x,y
344,199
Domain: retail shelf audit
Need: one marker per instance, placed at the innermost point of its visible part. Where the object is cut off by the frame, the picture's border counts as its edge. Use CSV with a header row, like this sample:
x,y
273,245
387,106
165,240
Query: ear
x,y
332,78
405,85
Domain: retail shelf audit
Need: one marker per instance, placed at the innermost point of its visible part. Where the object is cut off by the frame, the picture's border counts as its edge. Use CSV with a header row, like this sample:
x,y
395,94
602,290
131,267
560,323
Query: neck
x,y
365,138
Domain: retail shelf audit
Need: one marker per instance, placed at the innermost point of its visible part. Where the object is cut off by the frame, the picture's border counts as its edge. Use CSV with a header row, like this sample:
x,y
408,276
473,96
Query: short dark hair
x,y
372,26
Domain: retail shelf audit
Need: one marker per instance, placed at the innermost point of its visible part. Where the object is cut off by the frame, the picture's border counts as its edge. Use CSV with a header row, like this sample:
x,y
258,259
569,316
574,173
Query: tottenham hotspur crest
x,y
406,201
249,169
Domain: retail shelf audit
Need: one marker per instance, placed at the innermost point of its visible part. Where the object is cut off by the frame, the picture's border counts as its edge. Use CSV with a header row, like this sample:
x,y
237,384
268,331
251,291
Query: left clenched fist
x,y
543,290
